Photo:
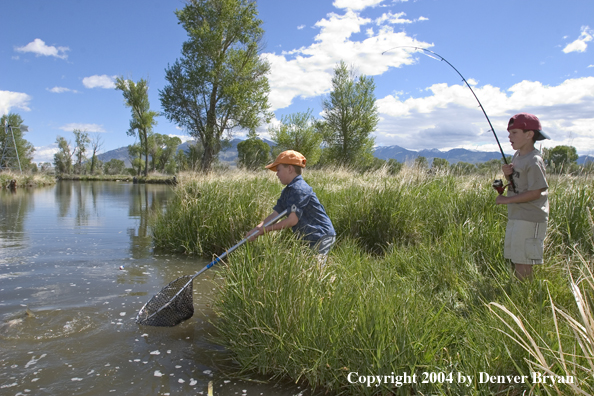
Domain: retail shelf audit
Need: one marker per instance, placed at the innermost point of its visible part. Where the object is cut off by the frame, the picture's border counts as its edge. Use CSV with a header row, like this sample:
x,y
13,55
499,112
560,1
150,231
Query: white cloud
x,y
83,127
307,72
580,45
9,100
102,81
392,18
183,138
300,27
356,5
422,18
39,48
449,116
61,90
45,153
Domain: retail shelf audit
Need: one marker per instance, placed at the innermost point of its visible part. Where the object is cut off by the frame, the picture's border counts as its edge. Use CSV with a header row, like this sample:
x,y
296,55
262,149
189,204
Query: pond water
x,y
76,265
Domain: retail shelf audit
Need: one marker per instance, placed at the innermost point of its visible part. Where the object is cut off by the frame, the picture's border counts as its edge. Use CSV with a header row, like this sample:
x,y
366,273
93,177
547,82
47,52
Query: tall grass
x,y
406,289
26,179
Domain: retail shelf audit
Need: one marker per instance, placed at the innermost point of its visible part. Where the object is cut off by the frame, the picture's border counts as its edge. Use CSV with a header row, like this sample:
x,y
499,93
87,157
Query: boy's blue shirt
x,y
299,198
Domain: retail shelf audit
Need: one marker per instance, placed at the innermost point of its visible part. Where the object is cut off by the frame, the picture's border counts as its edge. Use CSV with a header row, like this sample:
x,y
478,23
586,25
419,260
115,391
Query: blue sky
x,y
58,61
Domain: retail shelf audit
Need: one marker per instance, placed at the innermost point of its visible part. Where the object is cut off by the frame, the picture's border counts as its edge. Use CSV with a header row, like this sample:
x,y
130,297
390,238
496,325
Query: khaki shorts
x,y
524,241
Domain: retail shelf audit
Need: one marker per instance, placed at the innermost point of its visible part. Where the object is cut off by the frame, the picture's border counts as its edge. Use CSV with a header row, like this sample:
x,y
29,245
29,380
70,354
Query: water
x,y
76,265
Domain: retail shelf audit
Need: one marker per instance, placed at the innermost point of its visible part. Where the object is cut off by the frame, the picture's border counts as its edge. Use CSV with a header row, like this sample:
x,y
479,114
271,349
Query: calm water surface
x,y
67,310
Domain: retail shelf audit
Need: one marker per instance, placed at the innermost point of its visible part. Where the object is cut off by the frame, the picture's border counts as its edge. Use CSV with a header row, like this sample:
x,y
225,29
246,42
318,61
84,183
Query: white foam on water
x,y
33,360
193,382
158,373
155,353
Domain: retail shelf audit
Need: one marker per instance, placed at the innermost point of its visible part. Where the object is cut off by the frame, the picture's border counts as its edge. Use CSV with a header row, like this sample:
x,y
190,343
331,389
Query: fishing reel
x,y
499,187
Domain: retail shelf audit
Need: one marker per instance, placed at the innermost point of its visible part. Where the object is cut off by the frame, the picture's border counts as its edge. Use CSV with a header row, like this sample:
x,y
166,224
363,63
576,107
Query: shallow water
x,y
67,310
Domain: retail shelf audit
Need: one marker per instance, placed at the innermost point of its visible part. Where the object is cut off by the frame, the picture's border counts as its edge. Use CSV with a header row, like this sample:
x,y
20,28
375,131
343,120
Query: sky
x,y
59,60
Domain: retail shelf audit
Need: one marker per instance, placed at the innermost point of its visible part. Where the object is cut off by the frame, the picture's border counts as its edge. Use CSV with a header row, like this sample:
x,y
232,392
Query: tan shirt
x,y
529,174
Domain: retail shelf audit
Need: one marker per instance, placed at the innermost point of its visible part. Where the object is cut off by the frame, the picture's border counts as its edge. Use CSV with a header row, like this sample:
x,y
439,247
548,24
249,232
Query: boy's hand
x,y
501,200
507,169
258,229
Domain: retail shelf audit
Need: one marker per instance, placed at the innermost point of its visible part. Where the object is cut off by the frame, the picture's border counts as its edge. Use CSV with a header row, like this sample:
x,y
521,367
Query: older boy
x,y
307,216
528,206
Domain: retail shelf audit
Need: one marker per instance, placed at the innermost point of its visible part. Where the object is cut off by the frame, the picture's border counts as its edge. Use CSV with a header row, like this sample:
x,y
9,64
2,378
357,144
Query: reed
x,y
26,179
417,282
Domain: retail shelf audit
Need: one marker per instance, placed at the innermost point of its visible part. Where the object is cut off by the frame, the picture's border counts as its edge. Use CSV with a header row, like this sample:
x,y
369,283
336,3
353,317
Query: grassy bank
x,y
407,288
26,180
153,179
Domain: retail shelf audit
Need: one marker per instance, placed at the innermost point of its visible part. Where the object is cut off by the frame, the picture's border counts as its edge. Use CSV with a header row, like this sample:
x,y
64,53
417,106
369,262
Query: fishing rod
x,y
441,58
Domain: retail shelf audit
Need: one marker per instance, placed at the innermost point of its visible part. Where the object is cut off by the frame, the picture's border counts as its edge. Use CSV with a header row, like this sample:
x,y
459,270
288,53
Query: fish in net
x,y
171,306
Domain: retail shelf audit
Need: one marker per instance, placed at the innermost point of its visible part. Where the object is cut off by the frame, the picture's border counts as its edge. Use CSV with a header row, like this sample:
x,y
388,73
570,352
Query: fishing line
x,y
436,56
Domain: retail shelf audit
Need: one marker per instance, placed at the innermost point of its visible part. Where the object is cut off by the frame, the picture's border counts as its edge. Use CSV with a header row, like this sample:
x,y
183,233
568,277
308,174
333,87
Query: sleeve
x,y
292,199
536,175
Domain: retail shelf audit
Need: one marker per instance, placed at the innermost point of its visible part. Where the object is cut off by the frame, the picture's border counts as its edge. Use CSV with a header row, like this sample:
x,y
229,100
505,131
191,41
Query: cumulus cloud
x,y
10,100
307,72
83,127
580,45
102,81
356,5
39,48
392,18
448,116
61,90
45,153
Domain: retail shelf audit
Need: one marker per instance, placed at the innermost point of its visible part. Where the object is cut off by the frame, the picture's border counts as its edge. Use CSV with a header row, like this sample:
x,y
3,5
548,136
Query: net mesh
x,y
168,308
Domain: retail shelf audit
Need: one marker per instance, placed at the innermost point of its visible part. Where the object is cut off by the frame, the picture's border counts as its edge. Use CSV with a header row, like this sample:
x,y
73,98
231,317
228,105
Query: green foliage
x,y
298,132
440,163
253,153
63,158
162,149
463,168
350,116
24,149
114,167
82,140
421,162
561,159
143,118
219,83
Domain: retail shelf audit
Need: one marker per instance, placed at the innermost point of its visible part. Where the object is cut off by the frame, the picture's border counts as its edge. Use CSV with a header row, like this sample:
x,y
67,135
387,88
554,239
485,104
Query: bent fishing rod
x,y
441,58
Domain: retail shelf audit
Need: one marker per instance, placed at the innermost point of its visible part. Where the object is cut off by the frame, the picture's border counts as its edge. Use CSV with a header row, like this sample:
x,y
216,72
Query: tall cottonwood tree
x,y
24,149
82,141
219,83
143,118
350,116
63,158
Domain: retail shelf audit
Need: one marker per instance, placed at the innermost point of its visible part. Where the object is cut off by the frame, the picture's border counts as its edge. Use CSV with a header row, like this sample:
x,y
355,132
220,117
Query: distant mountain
x,y
229,154
401,154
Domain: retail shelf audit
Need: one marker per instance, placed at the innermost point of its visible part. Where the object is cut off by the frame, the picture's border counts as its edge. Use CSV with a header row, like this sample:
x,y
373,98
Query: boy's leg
x,y
323,247
523,271
524,246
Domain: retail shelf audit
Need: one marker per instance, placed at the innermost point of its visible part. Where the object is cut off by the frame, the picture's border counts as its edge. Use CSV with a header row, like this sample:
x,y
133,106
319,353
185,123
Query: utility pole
x,y
10,155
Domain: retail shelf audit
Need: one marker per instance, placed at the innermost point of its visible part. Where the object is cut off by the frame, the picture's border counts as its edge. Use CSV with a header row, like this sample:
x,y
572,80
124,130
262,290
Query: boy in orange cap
x,y
307,217
528,207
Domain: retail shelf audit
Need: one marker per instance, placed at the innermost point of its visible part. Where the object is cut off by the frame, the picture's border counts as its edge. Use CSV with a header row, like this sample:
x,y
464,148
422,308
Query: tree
x,y
421,162
82,140
96,145
143,118
219,83
114,167
253,153
135,157
164,152
24,149
350,116
561,158
440,163
298,132
63,158
463,168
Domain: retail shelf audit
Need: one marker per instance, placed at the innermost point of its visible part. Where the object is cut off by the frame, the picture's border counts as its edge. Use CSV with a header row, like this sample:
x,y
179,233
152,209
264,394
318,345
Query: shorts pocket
x,y
534,248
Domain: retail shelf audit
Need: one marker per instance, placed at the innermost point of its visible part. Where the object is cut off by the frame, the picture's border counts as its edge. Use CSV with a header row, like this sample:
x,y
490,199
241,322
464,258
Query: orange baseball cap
x,y
289,157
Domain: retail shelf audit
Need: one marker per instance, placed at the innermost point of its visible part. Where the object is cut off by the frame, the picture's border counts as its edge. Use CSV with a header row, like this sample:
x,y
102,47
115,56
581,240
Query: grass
x,y
26,179
417,282
155,179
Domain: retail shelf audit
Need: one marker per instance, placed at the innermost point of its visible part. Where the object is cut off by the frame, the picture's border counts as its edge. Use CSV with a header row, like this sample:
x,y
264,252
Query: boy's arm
x,y
287,222
526,196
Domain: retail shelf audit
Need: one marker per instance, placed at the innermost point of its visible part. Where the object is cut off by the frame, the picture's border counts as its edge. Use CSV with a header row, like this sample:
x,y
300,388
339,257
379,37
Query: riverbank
x,y
151,179
416,285
25,180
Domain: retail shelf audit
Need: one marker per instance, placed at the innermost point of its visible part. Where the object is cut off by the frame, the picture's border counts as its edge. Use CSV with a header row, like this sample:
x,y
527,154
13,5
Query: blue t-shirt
x,y
298,197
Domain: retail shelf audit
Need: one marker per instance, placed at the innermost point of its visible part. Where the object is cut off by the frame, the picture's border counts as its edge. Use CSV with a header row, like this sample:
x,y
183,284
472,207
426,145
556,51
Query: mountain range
x,y
229,154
